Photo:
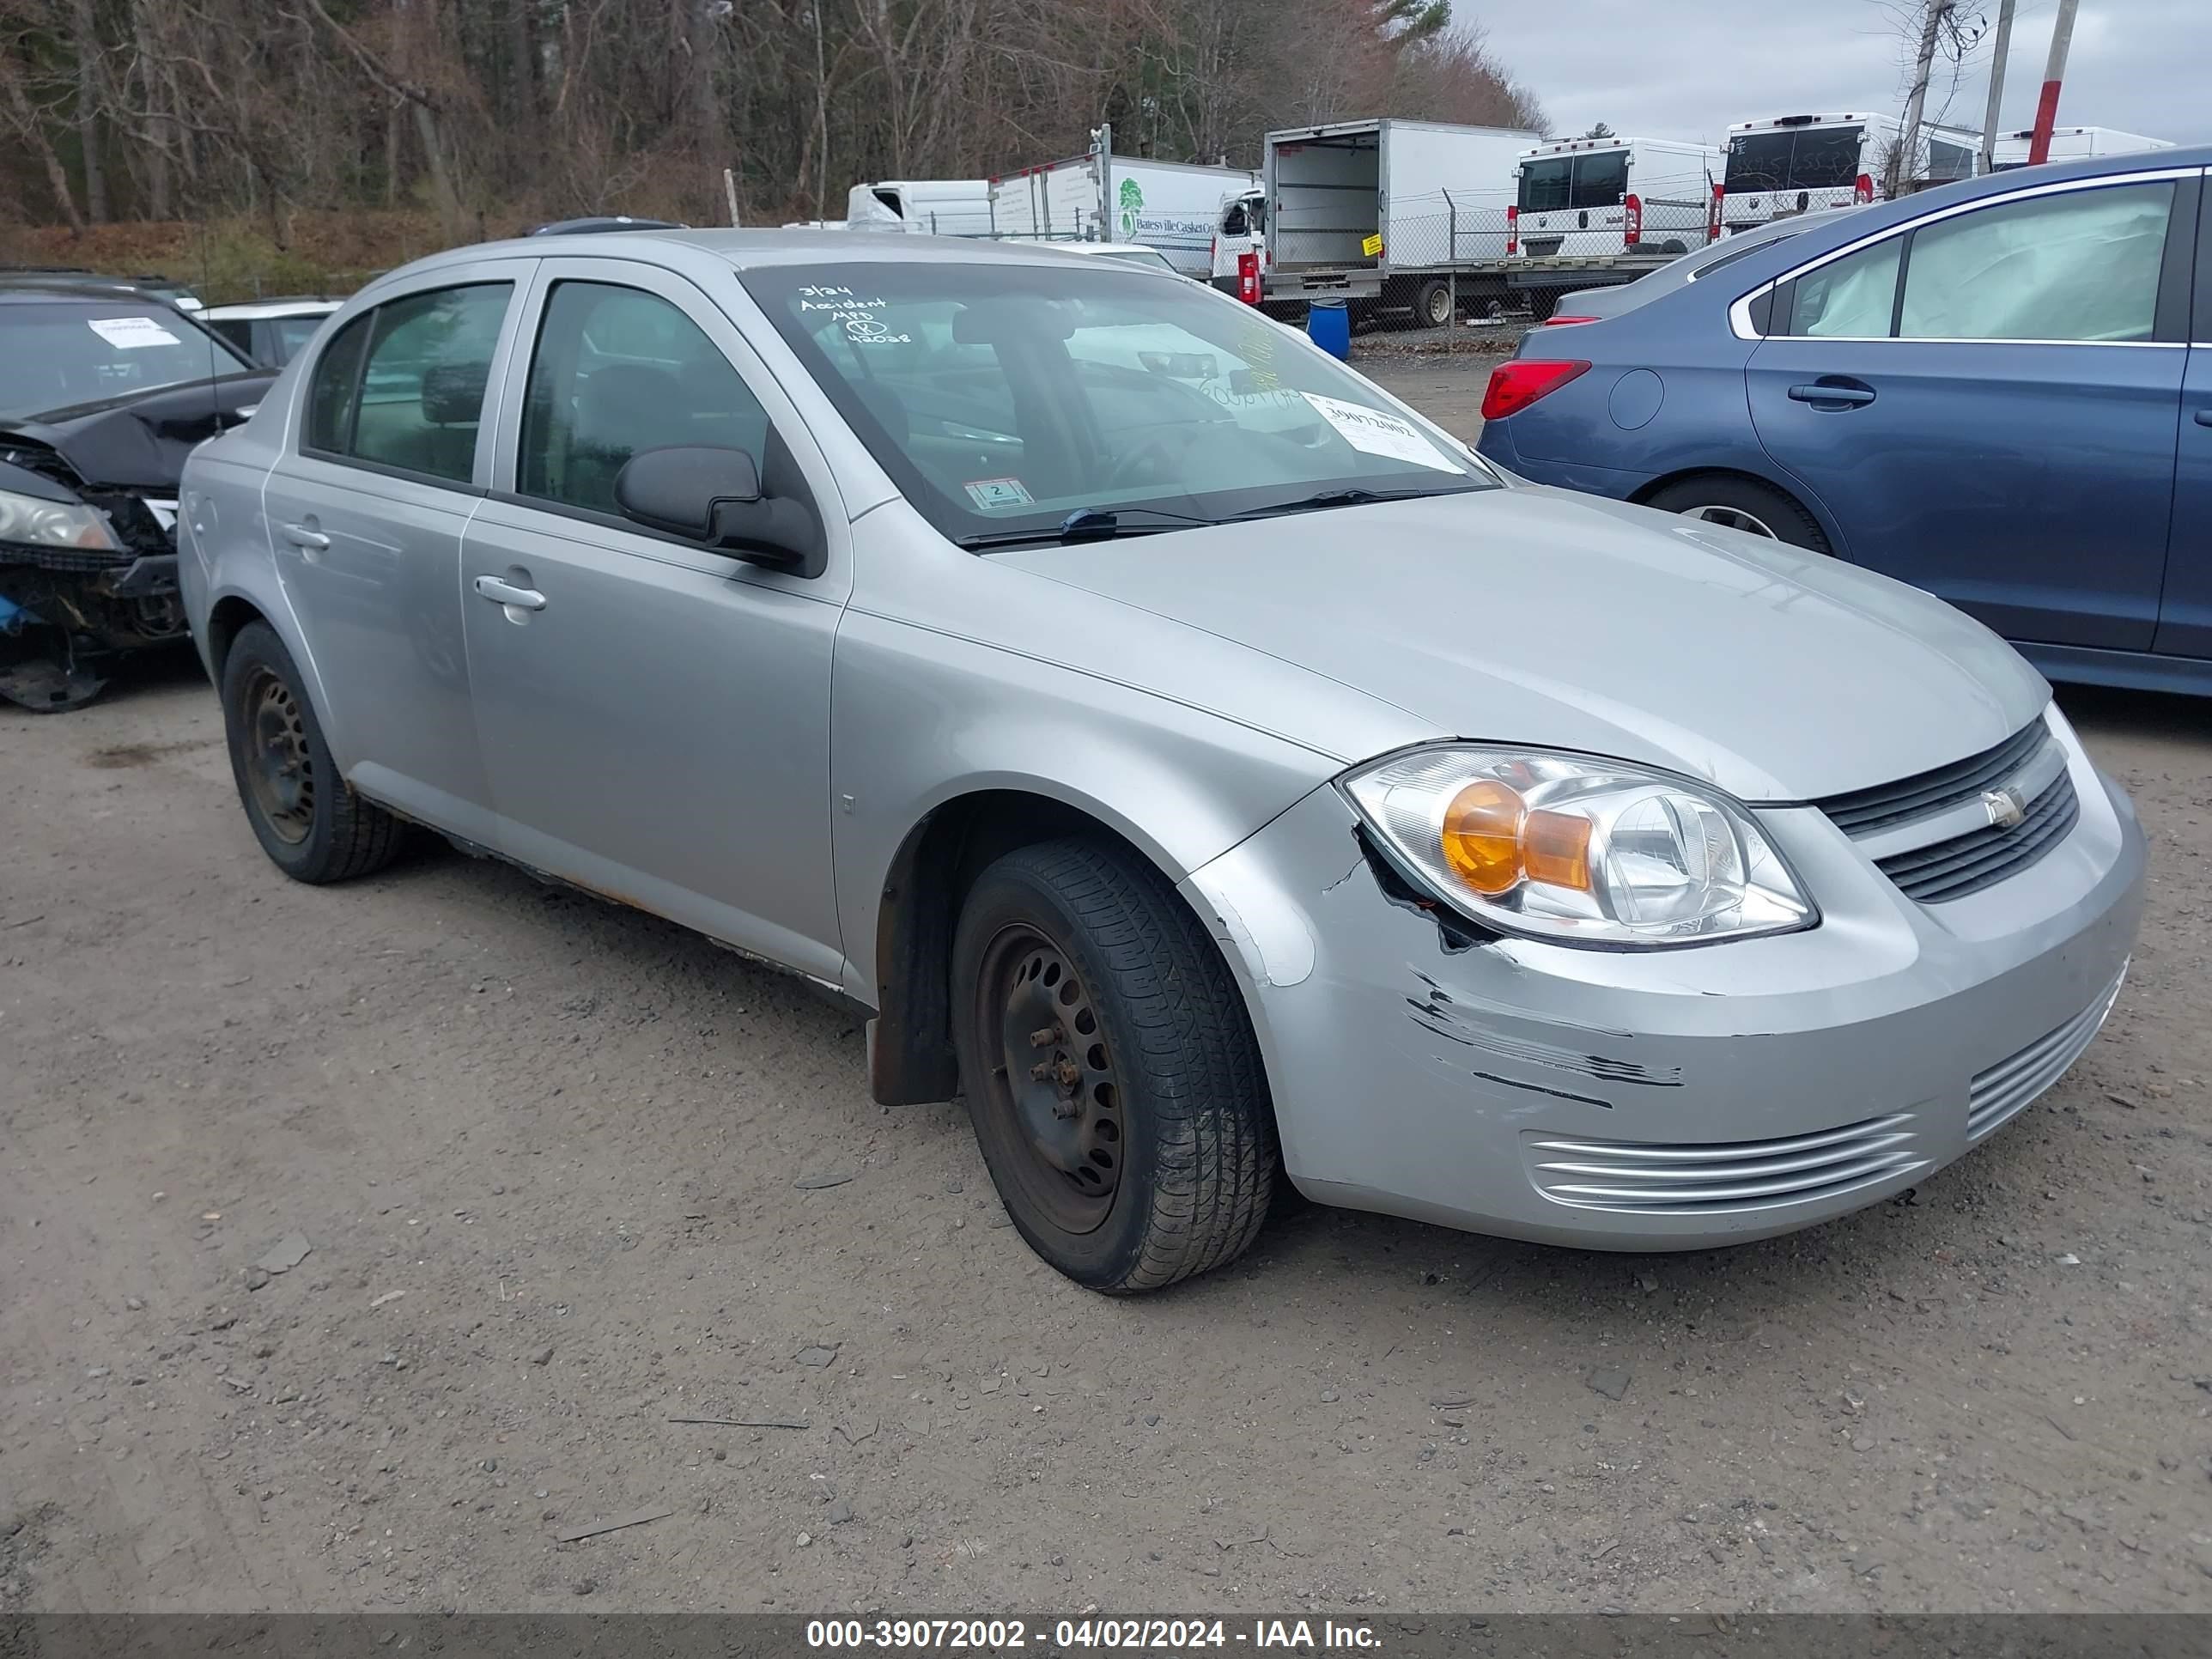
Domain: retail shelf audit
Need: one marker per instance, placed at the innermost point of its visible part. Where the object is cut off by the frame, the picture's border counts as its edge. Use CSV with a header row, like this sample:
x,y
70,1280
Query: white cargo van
x,y
2071,145
1804,163
925,207
1583,196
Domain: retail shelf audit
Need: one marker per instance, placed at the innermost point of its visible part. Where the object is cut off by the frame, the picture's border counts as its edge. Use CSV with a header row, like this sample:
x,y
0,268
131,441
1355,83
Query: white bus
x,y
1583,196
1803,163
2071,145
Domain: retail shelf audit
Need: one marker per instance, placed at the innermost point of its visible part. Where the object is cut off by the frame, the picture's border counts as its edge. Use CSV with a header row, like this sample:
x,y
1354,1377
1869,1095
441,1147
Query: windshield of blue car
x,y
69,352
1003,397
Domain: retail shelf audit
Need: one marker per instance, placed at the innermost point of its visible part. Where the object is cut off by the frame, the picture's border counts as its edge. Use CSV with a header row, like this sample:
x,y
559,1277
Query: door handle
x,y
500,593
306,536
1848,396
2204,417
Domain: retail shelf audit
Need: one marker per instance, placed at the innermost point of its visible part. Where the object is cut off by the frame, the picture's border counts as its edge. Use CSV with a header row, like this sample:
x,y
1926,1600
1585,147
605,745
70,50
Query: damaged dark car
x,y
105,395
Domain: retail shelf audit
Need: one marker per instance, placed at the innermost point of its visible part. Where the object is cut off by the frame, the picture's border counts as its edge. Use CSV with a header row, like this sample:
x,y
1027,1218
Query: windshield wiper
x,y
1087,524
1353,496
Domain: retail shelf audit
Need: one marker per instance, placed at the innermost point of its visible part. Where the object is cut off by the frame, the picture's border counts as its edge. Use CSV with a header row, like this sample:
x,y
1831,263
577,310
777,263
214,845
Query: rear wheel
x,y
1745,504
307,818
1111,1071
1434,305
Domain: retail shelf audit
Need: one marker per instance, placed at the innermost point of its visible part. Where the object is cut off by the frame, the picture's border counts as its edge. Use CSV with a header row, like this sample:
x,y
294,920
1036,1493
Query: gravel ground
x,y
565,1174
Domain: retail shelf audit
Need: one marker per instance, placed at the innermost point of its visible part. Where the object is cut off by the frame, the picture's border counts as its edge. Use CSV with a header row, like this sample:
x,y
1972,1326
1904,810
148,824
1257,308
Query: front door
x,y
655,714
1987,404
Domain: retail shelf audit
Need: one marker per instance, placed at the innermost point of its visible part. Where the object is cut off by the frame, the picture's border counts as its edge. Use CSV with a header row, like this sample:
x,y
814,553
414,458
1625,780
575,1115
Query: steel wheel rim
x,y
280,770
1053,1088
1732,518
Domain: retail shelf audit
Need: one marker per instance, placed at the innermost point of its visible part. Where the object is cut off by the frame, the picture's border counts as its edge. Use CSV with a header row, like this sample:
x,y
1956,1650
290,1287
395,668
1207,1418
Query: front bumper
x,y
1668,1099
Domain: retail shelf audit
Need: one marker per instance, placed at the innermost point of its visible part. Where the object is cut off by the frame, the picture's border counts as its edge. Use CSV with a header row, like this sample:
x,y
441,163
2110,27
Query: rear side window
x,y
236,330
2083,265
1850,298
336,388
422,386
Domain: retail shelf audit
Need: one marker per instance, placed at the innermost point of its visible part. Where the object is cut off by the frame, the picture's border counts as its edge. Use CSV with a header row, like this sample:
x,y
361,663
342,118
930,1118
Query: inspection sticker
x,y
991,493
1378,433
129,333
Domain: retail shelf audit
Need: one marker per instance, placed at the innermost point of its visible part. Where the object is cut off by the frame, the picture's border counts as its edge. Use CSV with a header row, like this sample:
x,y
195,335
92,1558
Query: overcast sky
x,y
1672,70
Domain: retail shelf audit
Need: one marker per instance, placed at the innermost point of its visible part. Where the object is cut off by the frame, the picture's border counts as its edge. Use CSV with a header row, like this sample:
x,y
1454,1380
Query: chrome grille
x,y
1647,1178
1966,864
1862,811
2000,1091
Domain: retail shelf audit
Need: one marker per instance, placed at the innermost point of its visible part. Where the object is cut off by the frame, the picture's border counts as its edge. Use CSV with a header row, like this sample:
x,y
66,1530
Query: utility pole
x,y
2047,106
1997,85
1907,162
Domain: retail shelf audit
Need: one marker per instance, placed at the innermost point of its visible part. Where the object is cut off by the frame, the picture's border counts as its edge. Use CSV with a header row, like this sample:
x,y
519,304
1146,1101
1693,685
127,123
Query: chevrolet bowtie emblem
x,y
2006,807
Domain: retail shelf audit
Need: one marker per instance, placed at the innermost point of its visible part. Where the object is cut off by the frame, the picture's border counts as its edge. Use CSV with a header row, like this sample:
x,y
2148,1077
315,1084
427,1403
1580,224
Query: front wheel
x,y
1115,1084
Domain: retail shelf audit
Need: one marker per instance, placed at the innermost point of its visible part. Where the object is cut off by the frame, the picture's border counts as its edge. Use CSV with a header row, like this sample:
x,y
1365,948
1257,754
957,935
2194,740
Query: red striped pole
x,y
2046,105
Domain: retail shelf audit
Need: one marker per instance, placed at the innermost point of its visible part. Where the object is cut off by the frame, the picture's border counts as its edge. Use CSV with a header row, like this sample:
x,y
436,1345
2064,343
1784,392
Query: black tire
x,y
1433,307
1149,1049
1760,507
306,817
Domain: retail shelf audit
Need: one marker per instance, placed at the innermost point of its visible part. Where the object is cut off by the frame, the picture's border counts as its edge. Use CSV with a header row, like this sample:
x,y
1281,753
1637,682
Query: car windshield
x,y
1004,397
72,352
1803,158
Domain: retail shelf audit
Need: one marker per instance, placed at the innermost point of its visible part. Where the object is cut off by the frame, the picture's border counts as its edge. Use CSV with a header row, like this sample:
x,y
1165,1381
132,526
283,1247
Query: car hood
x,y
138,442
1540,616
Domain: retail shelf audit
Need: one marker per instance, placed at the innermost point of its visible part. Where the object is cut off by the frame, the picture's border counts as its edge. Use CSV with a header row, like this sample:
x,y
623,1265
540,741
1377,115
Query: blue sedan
x,y
1987,390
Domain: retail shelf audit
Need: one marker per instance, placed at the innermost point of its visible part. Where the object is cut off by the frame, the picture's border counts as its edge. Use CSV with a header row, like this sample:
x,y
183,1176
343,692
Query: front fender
x,y
920,721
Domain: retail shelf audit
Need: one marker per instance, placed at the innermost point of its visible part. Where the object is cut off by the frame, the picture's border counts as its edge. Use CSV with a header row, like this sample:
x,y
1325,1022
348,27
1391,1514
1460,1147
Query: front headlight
x,y
1574,849
28,520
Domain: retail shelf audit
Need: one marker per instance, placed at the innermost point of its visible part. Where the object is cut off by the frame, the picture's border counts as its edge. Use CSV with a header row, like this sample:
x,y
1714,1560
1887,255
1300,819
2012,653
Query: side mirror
x,y
713,496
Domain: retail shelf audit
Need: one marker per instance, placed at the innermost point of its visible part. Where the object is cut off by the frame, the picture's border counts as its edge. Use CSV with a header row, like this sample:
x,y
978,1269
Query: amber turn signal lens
x,y
1555,849
1482,836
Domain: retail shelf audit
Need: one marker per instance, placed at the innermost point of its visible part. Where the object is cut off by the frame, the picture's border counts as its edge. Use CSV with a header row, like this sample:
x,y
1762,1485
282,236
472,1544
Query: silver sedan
x,y
1182,750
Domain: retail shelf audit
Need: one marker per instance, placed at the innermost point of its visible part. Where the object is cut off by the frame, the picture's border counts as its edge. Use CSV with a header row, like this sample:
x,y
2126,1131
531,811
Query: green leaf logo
x,y
1133,203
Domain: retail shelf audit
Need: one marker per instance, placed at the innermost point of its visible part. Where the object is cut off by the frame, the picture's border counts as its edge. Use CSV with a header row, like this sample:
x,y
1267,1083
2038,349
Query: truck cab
x,y
1240,229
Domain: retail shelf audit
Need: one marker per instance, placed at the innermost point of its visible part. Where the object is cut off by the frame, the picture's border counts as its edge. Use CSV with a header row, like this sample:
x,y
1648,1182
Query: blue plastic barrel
x,y
1329,325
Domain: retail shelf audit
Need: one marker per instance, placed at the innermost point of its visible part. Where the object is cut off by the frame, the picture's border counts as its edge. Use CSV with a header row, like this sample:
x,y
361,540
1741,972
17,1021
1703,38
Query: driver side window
x,y
617,371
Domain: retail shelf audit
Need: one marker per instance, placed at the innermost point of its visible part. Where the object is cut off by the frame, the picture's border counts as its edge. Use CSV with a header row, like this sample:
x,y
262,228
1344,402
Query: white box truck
x,y
1172,207
2071,145
921,207
1403,216
1584,196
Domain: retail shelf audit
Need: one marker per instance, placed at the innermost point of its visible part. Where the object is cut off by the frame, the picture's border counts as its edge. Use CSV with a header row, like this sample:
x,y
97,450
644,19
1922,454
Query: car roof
x,y
756,250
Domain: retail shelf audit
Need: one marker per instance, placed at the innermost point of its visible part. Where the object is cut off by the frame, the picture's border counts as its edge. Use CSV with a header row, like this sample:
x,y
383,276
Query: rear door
x,y
1985,400
365,508
2185,619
